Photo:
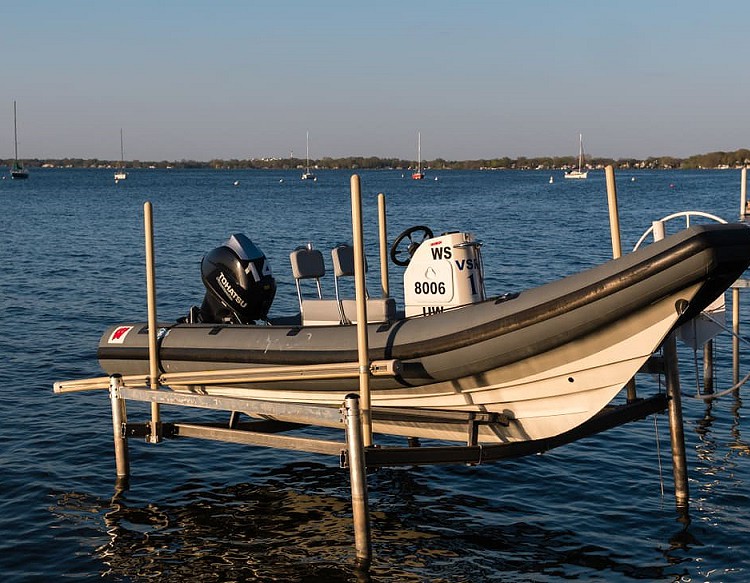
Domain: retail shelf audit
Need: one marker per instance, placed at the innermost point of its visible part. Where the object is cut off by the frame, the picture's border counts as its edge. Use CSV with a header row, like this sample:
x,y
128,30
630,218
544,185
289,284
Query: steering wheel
x,y
415,236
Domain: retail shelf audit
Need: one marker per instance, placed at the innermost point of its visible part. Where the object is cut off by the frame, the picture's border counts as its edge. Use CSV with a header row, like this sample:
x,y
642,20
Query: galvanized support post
x,y
631,394
361,295
153,347
118,420
676,429
383,236
358,478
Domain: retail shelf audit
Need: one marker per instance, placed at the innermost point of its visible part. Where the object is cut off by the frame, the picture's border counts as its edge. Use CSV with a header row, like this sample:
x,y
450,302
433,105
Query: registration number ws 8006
x,y
429,287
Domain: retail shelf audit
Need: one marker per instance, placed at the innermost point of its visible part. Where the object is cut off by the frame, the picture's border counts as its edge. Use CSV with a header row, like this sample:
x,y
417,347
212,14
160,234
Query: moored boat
x,y
418,174
308,174
17,171
541,361
120,173
580,173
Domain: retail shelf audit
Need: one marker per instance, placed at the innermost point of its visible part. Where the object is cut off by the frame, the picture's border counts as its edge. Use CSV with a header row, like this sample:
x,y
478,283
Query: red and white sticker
x,y
119,334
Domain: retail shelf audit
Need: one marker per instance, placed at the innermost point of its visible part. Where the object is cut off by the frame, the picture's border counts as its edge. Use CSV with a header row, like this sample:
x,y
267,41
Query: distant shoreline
x,y
713,160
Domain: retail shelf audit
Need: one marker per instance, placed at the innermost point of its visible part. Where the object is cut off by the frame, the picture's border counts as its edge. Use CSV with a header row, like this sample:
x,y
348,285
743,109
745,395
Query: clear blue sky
x,y
221,79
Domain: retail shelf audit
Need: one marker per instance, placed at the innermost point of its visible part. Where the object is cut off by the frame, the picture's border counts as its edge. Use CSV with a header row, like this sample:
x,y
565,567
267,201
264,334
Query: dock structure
x,y
353,444
351,451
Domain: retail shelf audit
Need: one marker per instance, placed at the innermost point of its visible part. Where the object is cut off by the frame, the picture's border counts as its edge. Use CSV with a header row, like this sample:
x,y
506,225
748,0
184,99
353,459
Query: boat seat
x,y
307,263
378,309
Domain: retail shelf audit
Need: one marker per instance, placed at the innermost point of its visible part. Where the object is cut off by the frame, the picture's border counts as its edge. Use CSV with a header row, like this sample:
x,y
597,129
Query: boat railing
x,y
240,375
658,227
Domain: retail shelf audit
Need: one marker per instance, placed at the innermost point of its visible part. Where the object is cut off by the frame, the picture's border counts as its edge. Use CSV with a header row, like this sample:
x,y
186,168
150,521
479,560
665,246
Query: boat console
x,y
442,272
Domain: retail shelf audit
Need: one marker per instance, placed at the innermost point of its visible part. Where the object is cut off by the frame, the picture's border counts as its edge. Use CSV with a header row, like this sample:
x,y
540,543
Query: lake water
x,y
73,262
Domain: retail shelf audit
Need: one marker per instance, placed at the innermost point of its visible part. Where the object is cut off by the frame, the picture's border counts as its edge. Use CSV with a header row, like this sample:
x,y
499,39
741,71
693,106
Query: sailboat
x,y
579,174
120,173
419,175
17,171
307,175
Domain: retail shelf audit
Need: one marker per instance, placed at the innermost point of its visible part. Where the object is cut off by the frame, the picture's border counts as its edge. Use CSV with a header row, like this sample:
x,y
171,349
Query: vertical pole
x,y
743,193
153,356
735,335
118,418
361,295
383,232
358,478
614,228
658,229
676,429
708,367
614,218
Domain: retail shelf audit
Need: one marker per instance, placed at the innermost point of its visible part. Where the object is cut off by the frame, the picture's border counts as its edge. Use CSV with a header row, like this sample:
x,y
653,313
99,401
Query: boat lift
x,y
356,451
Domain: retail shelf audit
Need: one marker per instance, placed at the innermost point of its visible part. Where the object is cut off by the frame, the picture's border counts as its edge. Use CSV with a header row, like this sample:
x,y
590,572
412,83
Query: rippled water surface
x,y
73,263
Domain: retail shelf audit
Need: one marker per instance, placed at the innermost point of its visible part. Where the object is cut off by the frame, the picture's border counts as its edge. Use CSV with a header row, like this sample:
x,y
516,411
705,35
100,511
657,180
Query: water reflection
x,y
240,532
737,444
709,436
295,524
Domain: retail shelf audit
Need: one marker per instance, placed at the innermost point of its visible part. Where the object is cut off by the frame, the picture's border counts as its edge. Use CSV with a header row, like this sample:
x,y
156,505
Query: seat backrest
x,y
343,265
307,263
343,260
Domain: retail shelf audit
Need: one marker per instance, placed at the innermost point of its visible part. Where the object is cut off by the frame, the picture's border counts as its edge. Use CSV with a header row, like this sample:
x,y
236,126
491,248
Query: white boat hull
x,y
542,397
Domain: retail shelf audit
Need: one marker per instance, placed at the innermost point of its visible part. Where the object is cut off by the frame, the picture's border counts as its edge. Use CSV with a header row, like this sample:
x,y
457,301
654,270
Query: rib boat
x,y
535,364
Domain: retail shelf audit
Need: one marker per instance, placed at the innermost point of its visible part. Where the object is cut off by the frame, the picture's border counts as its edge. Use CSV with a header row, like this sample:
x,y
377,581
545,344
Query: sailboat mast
x,y
419,151
15,131
122,150
307,150
580,152
418,174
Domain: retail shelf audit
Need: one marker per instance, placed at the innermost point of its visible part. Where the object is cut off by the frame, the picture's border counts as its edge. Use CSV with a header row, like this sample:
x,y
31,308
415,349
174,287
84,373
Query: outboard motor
x,y
239,284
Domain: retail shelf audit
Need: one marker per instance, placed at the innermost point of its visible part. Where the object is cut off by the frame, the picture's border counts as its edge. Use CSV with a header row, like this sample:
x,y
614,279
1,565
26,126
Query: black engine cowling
x,y
238,281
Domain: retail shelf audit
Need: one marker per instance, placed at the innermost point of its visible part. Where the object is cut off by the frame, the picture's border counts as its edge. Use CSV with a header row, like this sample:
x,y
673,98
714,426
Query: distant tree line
x,y
735,159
